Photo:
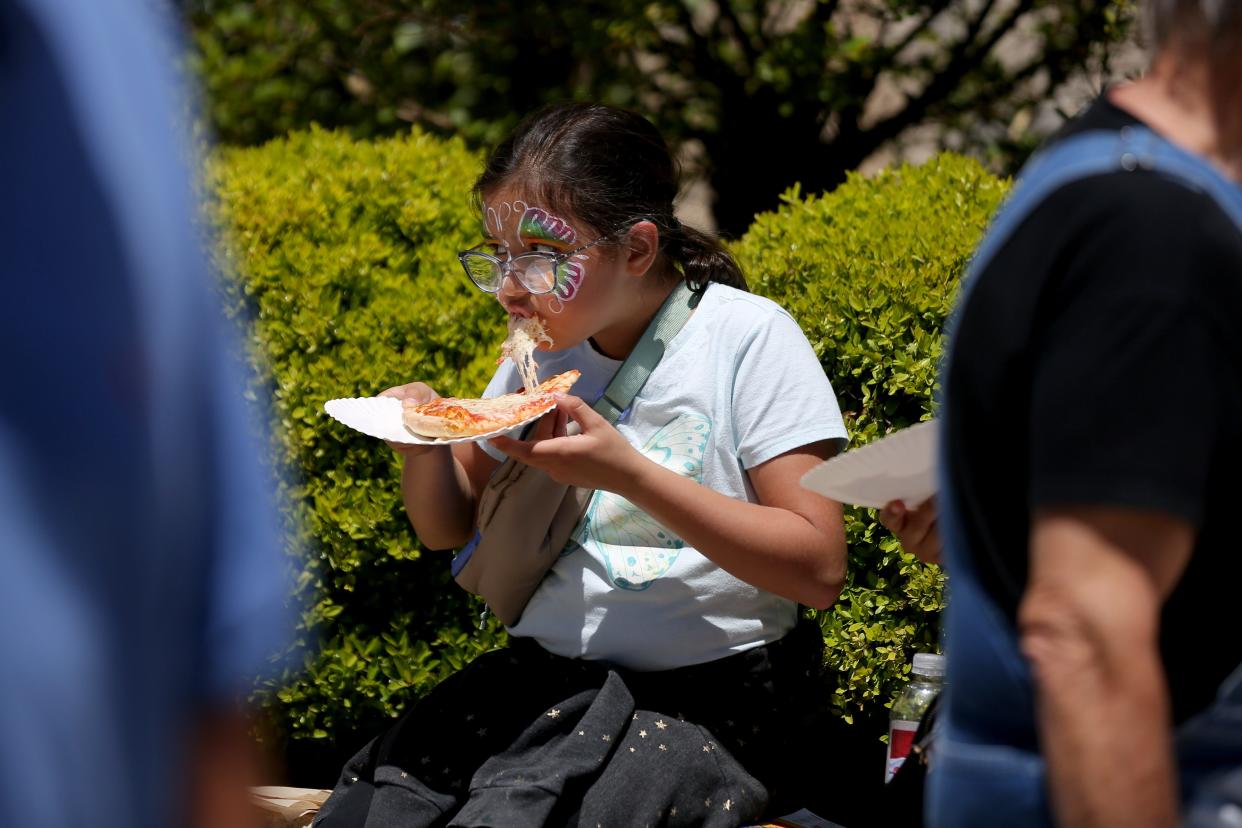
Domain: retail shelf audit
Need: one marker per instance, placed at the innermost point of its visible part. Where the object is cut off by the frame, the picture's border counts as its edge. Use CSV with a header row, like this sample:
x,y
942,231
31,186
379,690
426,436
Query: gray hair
x,y
1214,24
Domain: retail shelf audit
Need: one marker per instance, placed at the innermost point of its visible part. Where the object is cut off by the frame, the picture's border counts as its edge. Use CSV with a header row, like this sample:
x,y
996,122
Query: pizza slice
x,y
453,417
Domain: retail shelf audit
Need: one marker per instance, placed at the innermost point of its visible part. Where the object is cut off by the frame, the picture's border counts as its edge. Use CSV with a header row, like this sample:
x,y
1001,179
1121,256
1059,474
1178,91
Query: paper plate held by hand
x,y
901,466
381,417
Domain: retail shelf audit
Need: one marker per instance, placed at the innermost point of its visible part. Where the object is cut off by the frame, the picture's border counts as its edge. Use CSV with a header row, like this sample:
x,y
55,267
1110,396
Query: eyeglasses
x,y
538,272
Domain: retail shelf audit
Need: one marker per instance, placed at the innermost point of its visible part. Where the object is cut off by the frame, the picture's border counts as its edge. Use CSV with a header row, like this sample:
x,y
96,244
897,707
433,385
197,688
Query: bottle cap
x,y
929,664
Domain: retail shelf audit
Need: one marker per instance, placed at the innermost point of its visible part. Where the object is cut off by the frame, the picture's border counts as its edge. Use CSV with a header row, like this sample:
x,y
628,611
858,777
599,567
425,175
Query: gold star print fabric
x,y
521,737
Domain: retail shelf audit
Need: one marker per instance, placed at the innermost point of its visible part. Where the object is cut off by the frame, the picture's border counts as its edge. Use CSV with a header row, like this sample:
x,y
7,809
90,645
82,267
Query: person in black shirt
x,y
1093,452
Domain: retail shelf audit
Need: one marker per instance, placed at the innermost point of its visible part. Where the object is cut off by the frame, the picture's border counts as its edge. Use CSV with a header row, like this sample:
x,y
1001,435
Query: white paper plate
x,y
381,417
901,466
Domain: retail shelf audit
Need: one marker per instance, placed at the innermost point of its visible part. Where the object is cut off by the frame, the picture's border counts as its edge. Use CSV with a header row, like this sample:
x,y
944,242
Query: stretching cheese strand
x,y
525,336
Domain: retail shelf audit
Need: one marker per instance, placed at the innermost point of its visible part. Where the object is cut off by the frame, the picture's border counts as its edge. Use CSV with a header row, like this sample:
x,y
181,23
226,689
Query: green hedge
x,y
870,271
341,255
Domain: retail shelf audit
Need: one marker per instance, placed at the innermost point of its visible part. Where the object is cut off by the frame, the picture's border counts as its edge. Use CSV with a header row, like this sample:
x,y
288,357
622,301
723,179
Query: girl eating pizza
x,y
659,673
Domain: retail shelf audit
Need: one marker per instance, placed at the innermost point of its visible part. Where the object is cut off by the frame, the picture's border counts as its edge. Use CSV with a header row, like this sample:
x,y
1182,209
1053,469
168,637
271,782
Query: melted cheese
x,y
525,336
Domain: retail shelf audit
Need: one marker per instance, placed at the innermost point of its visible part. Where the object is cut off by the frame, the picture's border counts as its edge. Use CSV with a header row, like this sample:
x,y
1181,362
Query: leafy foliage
x,y
773,91
343,259
870,271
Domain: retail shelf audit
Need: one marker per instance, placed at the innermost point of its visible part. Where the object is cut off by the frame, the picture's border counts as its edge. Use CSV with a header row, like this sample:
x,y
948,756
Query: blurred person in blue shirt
x,y
143,586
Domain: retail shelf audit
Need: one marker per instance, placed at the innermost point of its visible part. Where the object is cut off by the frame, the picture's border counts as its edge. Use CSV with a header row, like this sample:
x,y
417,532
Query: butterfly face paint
x,y
495,218
537,224
530,226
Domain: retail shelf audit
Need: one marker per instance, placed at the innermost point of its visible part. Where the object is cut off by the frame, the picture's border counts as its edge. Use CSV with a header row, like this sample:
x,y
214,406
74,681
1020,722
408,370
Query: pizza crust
x,y
429,426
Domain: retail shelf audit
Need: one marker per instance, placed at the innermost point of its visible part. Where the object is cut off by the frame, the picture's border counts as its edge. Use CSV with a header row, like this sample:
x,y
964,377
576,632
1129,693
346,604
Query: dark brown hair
x,y
611,168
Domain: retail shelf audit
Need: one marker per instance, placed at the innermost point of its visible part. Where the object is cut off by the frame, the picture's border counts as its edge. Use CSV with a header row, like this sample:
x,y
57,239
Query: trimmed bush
x,y
870,272
342,259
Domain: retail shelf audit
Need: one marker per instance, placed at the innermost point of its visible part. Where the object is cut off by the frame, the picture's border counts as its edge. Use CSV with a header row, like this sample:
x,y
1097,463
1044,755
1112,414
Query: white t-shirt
x,y
737,386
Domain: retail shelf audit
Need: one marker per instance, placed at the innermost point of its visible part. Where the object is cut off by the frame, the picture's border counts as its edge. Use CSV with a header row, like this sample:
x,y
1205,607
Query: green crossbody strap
x,y
633,373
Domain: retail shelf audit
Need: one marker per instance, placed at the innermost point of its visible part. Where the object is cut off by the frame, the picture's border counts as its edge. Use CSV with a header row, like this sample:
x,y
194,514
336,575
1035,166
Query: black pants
x,y
523,737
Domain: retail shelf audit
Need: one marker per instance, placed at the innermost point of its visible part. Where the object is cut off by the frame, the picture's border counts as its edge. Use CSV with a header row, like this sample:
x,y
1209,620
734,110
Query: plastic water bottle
x,y
926,679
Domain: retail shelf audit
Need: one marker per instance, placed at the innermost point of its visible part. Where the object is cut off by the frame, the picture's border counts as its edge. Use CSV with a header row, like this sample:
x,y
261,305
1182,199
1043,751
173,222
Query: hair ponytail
x,y
702,258
610,168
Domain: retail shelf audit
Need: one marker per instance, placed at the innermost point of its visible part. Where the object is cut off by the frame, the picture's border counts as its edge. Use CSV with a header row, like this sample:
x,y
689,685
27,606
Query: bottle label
x,y
900,740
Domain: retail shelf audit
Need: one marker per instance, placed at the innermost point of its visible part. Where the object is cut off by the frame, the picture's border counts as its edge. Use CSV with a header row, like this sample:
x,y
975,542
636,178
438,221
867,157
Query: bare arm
x,y
791,543
223,764
440,485
1089,624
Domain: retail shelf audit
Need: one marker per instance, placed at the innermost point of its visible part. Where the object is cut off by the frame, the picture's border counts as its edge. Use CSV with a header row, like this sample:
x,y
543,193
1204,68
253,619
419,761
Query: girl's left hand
x,y
597,457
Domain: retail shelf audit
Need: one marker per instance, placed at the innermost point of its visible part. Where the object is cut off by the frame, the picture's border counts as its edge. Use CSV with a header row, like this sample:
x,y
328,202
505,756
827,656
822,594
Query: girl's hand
x,y
915,528
596,457
412,393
